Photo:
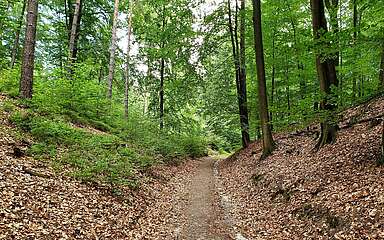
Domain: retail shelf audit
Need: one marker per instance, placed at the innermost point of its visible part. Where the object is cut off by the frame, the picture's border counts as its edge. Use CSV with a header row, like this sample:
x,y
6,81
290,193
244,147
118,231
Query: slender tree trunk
x,y
240,68
354,81
287,84
382,144
381,74
15,48
327,75
26,81
100,73
243,80
111,69
268,143
273,76
127,73
162,68
234,46
162,72
74,33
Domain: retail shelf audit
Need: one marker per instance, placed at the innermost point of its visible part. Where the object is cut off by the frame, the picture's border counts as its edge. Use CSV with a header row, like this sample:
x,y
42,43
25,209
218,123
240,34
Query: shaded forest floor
x,y
335,193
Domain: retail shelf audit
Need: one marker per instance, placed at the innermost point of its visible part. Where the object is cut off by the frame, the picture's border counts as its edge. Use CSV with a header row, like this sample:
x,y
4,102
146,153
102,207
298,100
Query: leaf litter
x,y
296,193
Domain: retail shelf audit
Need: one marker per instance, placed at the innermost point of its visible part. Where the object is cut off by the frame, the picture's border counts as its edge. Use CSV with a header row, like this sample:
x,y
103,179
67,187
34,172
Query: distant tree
x,y
162,70
354,81
15,48
27,68
113,49
326,73
268,143
127,73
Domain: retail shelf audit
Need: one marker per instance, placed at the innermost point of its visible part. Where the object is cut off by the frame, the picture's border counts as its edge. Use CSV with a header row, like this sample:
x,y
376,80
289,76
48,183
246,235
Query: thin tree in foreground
x,y
268,143
113,49
326,73
26,80
238,51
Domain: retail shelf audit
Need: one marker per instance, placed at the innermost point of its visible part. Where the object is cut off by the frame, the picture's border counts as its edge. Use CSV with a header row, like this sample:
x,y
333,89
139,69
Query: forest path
x,y
205,216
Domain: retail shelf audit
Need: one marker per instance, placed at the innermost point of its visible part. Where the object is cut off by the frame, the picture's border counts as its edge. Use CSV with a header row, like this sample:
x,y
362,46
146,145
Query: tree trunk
x,y
74,33
26,80
268,143
111,69
381,74
162,72
240,69
327,74
273,77
287,83
354,43
243,80
162,67
15,48
382,144
127,73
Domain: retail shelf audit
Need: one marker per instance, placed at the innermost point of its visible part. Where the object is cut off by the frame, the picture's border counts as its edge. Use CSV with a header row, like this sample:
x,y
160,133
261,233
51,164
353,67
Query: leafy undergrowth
x,y
297,193
93,151
82,133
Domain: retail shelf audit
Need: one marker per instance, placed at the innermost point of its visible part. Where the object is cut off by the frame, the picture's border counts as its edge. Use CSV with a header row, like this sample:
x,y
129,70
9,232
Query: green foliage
x,y
74,125
9,83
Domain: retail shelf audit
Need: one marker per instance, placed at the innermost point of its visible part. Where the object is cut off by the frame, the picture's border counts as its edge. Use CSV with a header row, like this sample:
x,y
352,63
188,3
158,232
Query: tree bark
x,y
273,76
381,74
127,73
268,143
162,72
326,72
243,80
354,43
27,68
162,67
240,68
287,89
382,144
15,48
74,33
111,69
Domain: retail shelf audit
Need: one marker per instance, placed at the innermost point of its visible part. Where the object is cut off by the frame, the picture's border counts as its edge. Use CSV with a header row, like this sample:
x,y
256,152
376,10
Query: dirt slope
x,y
335,193
172,202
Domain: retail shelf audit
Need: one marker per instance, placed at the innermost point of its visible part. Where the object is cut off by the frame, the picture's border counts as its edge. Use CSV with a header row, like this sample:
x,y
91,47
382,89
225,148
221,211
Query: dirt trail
x,y
205,217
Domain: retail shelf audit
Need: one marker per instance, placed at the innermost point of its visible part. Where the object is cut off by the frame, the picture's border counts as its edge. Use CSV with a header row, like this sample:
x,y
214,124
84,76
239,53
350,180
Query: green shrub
x,y
194,146
9,82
